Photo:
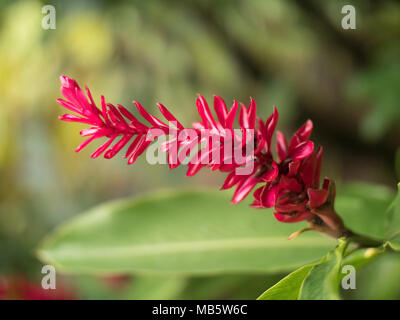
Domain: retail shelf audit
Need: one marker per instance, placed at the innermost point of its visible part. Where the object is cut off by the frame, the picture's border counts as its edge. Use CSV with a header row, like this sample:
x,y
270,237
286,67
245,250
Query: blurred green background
x,y
292,54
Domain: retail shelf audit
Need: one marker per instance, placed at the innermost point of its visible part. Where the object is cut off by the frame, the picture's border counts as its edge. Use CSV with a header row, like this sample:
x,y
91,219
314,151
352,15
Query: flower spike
x,y
290,184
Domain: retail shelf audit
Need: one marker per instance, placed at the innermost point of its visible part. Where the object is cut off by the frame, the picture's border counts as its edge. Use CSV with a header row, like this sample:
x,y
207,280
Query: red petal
x,y
269,196
150,118
257,205
74,118
85,143
326,184
231,180
317,197
103,147
220,109
138,147
293,168
243,117
198,162
301,151
117,147
69,106
271,175
290,184
270,126
281,146
290,207
304,132
292,218
252,113
257,194
244,188
307,170
231,115
204,111
169,116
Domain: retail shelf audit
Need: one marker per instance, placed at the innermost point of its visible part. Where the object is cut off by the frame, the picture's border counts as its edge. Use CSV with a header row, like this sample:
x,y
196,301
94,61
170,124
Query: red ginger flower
x,y
290,185
299,172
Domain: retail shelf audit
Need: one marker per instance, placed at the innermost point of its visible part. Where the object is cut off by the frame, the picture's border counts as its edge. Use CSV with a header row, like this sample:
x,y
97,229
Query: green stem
x,y
363,241
327,221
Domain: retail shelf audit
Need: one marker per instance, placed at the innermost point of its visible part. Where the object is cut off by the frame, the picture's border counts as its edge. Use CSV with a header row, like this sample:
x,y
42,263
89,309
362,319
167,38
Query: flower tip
x,y
138,105
67,82
215,96
190,173
236,199
63,78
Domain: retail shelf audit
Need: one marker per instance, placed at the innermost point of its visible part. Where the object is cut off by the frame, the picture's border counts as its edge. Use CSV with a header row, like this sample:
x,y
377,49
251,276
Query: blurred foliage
x,y
378,280
181,232
293,54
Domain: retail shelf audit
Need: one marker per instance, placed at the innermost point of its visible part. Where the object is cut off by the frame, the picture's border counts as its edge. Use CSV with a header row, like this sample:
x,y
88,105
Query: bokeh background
x,y
292,54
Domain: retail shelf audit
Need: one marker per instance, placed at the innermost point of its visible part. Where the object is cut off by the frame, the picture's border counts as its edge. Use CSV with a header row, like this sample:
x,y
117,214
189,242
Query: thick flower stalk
x,y
290,184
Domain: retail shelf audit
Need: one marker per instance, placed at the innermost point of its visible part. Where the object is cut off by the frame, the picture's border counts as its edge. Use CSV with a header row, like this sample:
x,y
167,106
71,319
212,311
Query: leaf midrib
x,y
74,251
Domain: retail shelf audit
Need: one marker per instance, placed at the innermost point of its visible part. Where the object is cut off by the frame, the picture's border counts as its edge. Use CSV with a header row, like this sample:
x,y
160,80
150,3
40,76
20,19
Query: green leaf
x,y
180,232
288,288
319,280
232,286
394,242
322,283
393,216
142,287
363,208
152,287
378,280
361,257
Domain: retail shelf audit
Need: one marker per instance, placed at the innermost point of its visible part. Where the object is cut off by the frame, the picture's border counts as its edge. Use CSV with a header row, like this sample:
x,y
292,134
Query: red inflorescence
x,y
289,184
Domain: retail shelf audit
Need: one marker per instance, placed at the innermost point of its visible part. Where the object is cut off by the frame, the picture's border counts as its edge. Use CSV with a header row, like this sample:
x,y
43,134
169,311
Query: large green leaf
x,y
231,286
314,281
322,283
289,288
152,287
378,280
185,232
363,208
